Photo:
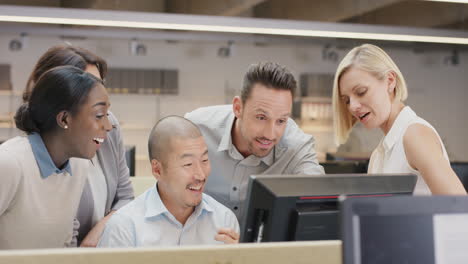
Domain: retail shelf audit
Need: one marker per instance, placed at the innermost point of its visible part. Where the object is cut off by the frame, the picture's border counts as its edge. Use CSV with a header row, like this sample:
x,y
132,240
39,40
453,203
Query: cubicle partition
x,y
323,252
142,183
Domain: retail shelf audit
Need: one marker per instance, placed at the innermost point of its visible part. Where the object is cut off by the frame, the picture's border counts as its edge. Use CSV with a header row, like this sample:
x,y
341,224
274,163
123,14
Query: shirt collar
x,y
203,207
398,127
43,159
226,145
153,203
226,140
270,158
155,206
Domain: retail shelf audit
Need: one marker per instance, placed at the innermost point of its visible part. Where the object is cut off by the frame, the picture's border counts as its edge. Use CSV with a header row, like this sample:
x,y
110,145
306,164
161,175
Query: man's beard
x,y
257,152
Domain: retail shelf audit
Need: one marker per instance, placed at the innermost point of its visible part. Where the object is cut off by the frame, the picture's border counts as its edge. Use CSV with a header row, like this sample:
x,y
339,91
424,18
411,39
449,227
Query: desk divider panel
x,y
323,252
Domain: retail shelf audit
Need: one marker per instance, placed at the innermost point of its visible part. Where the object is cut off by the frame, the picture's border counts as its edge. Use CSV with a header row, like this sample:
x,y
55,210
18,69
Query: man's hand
x,y
92,238
227,235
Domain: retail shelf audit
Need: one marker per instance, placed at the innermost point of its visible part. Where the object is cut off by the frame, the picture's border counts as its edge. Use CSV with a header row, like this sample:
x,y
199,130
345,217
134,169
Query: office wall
x,y
437,90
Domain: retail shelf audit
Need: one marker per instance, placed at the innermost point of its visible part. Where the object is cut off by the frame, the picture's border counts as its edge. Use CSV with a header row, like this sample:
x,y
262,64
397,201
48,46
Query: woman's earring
x,y
65,127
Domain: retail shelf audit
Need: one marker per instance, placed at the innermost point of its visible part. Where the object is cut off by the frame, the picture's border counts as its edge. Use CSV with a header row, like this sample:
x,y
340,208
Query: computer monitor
x,y
461,169
413,229
304,207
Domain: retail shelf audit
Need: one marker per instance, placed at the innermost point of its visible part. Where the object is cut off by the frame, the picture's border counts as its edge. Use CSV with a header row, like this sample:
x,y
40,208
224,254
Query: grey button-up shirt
x,y
230,171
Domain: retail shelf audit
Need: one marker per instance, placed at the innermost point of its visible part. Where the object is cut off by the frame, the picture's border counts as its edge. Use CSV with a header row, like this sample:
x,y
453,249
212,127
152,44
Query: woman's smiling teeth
x,y
98,140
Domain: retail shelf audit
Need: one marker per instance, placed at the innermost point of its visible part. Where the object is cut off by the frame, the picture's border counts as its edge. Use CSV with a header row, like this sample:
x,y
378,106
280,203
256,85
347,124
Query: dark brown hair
x,y
270,74
64,55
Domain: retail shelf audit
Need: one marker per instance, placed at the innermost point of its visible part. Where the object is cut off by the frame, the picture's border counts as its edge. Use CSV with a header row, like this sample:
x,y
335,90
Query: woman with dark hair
x,y
108,187
62,55
65,118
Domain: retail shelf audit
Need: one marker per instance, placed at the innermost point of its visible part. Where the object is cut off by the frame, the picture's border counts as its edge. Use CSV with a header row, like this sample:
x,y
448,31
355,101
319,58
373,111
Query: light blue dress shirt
x,y
43,158
147,222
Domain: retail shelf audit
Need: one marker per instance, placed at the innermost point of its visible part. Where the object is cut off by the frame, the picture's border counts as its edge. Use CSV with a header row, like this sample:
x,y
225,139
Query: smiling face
x,y
91,68
261,120
183,173
367,98
88,127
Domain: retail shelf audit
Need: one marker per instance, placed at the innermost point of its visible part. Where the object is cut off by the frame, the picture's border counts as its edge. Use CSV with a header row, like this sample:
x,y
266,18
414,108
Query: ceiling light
x,y
226,51
453,59
137,48
451,1
18,44
68,16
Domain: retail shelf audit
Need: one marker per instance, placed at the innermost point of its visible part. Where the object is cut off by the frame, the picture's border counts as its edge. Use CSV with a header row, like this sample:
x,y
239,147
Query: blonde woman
x,y
369,88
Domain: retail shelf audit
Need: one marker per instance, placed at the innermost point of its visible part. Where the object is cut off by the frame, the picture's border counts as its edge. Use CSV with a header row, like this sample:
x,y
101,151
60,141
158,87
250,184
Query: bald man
x,y
175,211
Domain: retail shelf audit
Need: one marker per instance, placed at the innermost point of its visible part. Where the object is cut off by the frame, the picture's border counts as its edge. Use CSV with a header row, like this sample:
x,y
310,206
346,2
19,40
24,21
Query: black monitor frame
x,y
296,207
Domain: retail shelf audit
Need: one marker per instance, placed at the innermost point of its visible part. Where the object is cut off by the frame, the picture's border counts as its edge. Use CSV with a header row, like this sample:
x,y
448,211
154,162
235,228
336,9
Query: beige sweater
x,y
36,212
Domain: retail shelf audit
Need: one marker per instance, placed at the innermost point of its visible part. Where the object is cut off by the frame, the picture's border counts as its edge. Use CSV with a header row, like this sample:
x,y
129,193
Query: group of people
x,y
66,183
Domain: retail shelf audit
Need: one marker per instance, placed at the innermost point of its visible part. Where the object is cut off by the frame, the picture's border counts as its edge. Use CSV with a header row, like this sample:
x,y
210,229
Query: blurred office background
x,y
154,73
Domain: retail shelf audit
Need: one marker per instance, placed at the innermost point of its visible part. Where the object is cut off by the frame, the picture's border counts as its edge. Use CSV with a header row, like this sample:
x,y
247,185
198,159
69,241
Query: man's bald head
x,y
168,128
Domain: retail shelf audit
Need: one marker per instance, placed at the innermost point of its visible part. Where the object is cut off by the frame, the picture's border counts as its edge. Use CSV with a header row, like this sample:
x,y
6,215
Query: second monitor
x,y
303,207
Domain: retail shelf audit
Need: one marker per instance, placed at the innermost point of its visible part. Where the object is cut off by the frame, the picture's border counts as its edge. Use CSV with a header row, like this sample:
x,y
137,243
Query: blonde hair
x,y
373,60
